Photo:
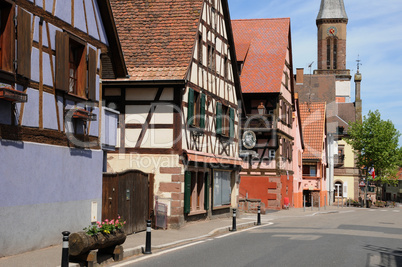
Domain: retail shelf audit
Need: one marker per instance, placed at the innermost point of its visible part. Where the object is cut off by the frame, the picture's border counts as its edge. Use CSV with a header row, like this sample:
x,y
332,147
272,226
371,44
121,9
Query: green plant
x,y
105,227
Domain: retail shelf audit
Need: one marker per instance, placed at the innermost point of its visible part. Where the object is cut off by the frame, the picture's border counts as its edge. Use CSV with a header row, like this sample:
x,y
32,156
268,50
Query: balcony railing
x,y
339,160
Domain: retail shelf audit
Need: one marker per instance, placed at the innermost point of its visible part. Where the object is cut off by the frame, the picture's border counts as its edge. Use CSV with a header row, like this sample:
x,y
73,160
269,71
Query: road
x,y
361,237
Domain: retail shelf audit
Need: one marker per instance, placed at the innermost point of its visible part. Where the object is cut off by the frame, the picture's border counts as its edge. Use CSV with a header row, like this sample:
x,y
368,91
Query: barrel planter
x,y
81,242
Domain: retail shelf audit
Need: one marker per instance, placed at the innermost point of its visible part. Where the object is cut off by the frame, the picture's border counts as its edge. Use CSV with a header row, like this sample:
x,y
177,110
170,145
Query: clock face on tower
x,y
332,31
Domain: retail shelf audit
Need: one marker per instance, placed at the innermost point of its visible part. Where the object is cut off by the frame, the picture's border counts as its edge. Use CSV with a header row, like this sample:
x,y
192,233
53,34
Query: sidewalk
x,y
51,256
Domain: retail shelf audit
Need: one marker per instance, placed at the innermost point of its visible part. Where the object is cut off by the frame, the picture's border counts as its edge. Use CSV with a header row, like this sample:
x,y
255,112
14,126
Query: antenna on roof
x,y
358,62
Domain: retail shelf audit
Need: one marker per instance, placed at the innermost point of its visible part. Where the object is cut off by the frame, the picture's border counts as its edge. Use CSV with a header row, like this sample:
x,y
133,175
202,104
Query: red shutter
x,y
62,53
92,74
24,43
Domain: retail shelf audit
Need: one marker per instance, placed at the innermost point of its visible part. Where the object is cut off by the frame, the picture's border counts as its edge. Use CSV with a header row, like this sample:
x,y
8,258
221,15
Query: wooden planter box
x,y
80,243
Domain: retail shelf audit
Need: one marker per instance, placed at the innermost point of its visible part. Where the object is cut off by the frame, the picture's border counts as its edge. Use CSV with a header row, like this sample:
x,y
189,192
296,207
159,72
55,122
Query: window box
x,y
13,95
83,114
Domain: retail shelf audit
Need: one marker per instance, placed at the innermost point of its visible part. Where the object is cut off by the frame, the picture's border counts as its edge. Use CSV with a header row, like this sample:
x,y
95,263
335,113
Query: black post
x,y
64,255
148,239
234,221
259,216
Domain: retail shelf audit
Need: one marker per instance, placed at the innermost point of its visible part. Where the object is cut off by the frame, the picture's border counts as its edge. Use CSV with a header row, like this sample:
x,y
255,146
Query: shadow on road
x,y
383,257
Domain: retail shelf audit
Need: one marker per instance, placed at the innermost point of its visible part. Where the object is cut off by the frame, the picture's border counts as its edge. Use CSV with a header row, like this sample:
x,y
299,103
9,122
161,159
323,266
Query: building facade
x,y
314,183
50,119
264,59
180,105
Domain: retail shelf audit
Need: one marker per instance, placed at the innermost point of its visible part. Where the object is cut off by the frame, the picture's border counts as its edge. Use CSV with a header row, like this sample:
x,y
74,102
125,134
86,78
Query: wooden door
x,y
129,195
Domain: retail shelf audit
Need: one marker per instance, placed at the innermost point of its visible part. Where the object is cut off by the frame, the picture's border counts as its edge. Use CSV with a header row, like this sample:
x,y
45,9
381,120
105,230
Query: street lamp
x,y
261,109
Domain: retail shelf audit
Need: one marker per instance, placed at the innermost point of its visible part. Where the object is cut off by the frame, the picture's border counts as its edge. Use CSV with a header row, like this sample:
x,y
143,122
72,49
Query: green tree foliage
x,y
376,144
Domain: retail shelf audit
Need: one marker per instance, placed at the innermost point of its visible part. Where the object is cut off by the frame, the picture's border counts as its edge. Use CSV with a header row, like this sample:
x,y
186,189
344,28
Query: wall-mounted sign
x,y
249,139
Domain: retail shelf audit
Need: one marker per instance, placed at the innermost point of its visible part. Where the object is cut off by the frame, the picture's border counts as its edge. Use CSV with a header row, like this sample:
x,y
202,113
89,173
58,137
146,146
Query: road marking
x,y
158,254
384,210
300,237
247,229
395,210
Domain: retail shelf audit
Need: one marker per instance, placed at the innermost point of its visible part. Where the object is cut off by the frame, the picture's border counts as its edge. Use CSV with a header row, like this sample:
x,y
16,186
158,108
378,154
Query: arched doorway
x,y
338,190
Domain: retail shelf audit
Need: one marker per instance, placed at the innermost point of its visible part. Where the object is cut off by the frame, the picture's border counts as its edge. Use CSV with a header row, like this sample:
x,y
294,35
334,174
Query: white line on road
x,y
247,229
158,254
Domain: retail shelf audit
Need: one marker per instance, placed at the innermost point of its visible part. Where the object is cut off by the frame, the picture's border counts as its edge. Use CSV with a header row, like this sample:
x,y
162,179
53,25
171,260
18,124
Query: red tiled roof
x,y
266,41
312,117
157,36
399,175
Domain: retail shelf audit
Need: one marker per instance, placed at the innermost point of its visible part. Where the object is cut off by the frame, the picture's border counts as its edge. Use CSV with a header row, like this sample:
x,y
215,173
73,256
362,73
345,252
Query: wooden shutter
x,y
24,43
231,122
202,111
82,72
218,118
187,191
190,107
92,66
8,42
62,56
206,191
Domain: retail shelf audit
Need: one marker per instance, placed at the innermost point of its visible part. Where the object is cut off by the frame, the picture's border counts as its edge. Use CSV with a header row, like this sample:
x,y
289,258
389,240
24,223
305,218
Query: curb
x,y
129,252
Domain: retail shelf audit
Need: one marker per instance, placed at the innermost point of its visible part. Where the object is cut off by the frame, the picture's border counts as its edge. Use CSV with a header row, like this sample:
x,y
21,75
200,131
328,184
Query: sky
x,y
374,35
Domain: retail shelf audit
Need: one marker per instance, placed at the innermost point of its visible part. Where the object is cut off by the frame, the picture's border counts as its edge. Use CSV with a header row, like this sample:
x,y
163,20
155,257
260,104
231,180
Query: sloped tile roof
x,y
262,44
157,36
312,117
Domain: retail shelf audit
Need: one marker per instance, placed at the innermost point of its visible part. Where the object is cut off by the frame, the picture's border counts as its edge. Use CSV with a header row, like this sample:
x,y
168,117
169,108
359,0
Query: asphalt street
x,y
361,237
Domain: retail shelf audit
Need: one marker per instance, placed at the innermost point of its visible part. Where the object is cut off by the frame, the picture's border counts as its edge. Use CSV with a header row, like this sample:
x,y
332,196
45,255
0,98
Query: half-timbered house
x,y
179,105
264,60
50,117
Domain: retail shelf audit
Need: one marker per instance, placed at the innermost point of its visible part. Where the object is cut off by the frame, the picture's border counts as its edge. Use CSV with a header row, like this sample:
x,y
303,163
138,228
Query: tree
x,y
376,144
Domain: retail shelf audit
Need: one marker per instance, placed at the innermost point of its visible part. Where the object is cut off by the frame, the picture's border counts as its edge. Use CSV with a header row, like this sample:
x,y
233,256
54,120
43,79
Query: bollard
x,y
304,203
64,255
325,202
234,221
148,239
312,203
319,202
259,216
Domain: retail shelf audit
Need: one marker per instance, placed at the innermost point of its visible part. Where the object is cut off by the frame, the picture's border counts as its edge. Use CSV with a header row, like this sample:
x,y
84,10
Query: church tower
x,y
331,39
331,23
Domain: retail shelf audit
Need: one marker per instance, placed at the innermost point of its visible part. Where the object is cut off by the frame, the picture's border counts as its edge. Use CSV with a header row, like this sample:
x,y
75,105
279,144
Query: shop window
x,y
74,73
222,188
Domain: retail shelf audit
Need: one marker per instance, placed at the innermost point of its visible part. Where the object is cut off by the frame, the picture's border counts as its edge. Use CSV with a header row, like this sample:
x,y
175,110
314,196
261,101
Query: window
x,y
309,170
211,58
335,53
224,120
200,48
74,74
196,109
196,193
225,67
222,188
328,53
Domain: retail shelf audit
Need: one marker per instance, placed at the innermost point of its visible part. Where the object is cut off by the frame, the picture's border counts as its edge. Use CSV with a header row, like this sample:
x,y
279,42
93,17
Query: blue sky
x,y
374,32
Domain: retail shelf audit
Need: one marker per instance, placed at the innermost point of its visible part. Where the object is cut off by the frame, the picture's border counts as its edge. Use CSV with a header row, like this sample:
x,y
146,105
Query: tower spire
x,y
332,9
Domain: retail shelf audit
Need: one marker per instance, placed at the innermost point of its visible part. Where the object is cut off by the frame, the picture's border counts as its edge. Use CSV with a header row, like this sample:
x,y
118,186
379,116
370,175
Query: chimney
x,y
299,75
358,100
